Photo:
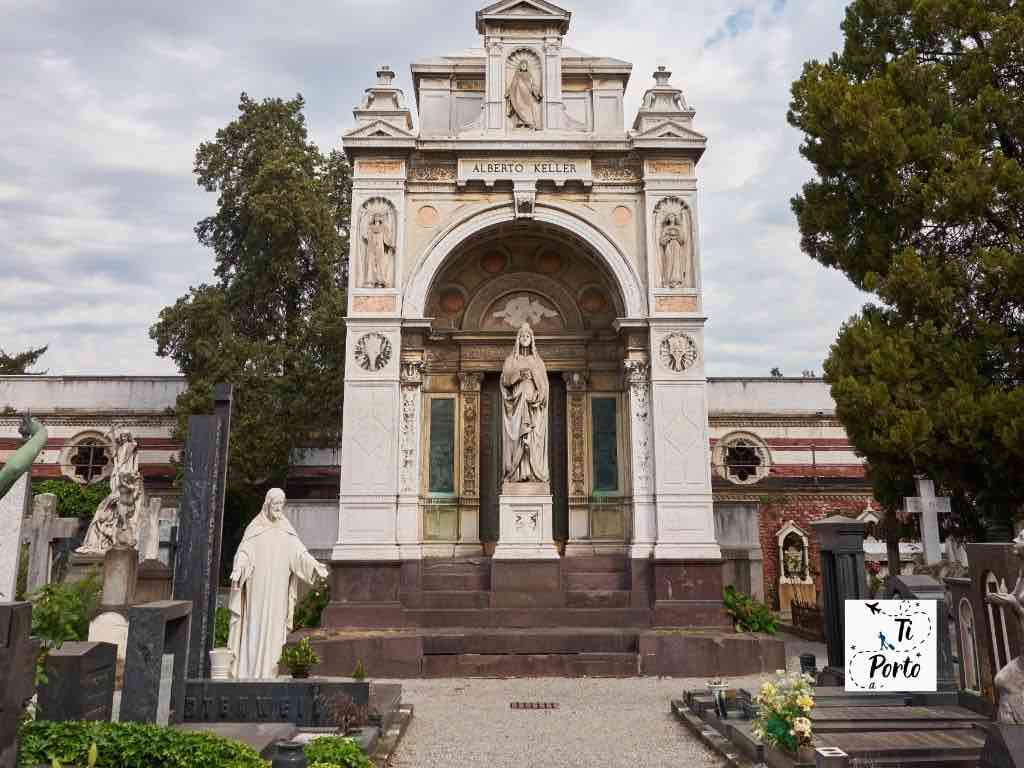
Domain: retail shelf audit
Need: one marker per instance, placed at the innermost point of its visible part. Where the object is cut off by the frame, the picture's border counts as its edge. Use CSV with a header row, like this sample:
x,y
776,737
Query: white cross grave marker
x,y
929,507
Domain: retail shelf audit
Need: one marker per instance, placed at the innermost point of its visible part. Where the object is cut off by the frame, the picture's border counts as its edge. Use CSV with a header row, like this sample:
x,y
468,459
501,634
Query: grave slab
x,y
155,630
262,737
79,682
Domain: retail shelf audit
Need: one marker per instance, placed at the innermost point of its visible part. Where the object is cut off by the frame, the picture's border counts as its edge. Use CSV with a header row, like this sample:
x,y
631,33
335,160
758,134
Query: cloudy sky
x,y
104,102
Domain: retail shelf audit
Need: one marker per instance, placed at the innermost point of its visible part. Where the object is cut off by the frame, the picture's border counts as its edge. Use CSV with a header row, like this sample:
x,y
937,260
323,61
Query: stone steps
x,y
587,580
456,580
532,665
596,564
522,618
456,599
597,598
920,747
526,642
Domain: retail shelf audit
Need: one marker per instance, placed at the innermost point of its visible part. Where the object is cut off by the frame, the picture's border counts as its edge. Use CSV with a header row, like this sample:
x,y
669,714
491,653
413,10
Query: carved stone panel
x,y
373,352
471,384
638,376
674,232
378,244
576,384
678,352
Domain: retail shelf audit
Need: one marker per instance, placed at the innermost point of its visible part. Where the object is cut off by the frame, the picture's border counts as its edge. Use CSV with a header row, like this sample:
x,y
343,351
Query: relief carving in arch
x,y
378,243
674,230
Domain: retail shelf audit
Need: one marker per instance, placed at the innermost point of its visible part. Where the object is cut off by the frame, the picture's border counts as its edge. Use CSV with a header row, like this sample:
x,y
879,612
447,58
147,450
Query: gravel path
x,y
599,722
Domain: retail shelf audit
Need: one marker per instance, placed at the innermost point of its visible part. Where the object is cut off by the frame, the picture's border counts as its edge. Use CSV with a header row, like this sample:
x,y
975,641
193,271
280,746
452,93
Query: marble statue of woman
x,y
116,518
522,98
673,253
524,389
264,586
380,245
1010,680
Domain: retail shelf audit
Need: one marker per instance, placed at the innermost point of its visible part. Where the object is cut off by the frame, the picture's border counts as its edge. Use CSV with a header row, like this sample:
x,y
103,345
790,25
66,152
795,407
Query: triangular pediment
x,y
670,129
523,10
379,129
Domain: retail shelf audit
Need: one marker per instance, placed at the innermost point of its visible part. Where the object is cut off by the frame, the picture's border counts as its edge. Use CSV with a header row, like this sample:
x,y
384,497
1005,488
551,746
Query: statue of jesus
x,y
522,99
524,389
264,585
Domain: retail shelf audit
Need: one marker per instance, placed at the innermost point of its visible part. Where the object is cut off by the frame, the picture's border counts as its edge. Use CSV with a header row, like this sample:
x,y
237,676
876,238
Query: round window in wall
x,y
742,458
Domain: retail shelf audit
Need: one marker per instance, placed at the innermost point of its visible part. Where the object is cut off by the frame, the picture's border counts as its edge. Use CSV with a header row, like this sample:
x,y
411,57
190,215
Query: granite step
x,y
456,599
525,619
531,642
931,747
599,598
596,564
532,665
456,581
581,581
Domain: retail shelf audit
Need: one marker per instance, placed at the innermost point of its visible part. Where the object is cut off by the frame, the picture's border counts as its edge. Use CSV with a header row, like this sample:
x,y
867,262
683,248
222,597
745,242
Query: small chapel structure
x,y
523,196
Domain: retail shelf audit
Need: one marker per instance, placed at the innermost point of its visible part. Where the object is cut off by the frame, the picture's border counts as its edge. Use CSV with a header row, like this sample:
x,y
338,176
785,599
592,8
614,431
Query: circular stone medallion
x,y
549,262
678,352
593,301
621,216
493,263
452,301
373,351
427,216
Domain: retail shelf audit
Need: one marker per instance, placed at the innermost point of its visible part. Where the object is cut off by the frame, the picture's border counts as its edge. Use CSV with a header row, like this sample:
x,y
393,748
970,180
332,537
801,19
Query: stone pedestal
x,y
526,532
365,594
79,682
120,569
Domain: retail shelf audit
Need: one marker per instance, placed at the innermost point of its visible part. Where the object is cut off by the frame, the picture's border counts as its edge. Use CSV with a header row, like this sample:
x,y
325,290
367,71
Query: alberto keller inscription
x,y
491,170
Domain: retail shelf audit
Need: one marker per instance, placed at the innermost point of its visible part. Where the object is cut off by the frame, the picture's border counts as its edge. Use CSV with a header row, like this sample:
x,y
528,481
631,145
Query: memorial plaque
x,y
300,702
79,682
525,168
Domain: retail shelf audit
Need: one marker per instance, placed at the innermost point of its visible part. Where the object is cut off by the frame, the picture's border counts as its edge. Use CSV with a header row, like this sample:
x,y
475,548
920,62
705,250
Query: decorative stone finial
x,y
662,76
385,76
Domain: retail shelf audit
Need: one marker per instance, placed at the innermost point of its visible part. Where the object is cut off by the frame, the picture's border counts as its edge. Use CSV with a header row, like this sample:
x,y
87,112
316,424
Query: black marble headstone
x,y
843,576
79,682
926,588
155,629
200,522
18,651
1004,747
300,702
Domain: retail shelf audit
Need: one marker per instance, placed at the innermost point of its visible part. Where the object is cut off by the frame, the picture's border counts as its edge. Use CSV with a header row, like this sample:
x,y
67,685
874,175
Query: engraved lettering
x,y
190,707
263,707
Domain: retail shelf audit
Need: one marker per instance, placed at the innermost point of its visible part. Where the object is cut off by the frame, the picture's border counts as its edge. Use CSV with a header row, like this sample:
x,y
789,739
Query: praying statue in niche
x,y
524,390
1009,682
673,252
522,98
115,522
378,236
264,586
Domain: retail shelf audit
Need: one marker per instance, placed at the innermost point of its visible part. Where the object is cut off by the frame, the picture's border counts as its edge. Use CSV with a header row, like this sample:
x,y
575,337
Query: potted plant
x,y
718,687
784,717
299,658
221,656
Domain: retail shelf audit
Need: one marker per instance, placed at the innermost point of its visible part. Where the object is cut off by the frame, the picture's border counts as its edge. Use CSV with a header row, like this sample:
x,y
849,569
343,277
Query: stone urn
x,y
220,663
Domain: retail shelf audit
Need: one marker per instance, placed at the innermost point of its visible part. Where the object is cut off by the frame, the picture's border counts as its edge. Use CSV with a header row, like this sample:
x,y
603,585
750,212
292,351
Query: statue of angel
x,y
378,236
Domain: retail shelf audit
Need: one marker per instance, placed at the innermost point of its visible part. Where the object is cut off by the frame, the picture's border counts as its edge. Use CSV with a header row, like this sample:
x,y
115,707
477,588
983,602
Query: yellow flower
x,y
805,702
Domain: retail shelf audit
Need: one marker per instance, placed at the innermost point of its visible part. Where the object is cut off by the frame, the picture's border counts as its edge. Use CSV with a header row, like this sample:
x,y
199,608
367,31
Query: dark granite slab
x,y
299,702
79,682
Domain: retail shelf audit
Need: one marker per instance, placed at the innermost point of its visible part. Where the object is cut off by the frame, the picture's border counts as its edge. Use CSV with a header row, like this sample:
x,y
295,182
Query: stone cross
x,y
929,507
45,527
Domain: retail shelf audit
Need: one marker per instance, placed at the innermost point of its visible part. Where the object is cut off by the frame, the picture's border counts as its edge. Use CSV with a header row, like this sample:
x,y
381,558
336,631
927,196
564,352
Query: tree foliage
x,y
916,133
19,363
271,322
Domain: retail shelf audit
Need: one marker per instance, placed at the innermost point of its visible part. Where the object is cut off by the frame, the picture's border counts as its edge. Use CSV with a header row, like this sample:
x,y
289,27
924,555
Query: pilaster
x,y
470,385
410,533
577,384
645,522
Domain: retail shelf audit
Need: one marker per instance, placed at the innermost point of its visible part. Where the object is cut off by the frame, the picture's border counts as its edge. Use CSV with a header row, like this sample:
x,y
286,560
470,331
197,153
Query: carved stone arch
x,y
508,286
623,274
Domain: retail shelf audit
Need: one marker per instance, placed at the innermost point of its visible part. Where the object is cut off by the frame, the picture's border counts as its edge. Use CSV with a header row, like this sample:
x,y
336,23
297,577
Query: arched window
x,y
86,458
968,646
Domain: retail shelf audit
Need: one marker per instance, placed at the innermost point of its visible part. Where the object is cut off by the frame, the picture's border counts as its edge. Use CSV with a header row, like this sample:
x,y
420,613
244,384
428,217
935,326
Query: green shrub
x,y
359,673
73,499
299,657
221,628
61,612
130,745
748,615
336,752
310,608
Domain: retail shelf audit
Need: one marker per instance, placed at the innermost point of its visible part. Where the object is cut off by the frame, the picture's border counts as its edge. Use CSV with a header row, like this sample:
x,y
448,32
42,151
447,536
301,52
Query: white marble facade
x,y
484,161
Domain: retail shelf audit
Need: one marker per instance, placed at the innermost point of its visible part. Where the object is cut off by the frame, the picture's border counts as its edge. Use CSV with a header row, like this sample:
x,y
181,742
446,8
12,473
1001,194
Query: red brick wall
x,y
802,510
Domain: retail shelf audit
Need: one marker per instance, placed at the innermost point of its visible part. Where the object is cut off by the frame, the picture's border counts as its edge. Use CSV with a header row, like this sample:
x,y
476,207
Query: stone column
x,y
841,541
470,385
409,517
367,526
641,440
577,384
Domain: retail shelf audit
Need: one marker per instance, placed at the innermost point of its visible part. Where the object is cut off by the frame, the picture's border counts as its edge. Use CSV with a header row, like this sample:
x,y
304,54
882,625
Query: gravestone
x,y
45,528
1004,747
304,703
79,682
149,531
929,507
841,542
13,506
200,523
736,530
156,630
927,588
18,651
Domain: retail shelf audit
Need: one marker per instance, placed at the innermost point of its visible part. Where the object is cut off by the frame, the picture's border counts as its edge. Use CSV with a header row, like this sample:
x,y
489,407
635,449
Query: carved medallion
x,y
427,216
526,522
678,352
373,352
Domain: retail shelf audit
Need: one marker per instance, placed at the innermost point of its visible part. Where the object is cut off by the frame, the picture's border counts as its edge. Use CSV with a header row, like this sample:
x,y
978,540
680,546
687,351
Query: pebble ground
x,y
609,723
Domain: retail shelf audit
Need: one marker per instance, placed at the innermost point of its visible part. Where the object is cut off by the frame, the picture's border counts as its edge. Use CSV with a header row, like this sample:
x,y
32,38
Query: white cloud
x,y
105,106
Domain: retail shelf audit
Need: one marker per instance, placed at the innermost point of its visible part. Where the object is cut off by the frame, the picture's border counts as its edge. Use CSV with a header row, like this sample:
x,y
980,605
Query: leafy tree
x,y
19,364
271,322
916,134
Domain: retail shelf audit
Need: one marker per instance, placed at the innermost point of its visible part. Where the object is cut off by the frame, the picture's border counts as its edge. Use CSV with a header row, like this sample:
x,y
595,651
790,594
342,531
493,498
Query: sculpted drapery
x,y
117,517
380,245
264,585
522,98
674,262
1009,682
524,389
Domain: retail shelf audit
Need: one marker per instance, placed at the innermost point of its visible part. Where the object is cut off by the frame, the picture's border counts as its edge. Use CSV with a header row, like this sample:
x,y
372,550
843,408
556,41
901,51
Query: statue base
x,y
526,528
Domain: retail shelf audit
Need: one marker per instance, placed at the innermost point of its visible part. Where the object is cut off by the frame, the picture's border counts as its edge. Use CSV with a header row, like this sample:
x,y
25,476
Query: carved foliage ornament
x,y
373,352
678,352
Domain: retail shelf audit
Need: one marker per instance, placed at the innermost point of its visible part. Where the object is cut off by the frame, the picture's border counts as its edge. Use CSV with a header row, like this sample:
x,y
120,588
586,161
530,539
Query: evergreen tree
x,y
19,364
916,133
271,322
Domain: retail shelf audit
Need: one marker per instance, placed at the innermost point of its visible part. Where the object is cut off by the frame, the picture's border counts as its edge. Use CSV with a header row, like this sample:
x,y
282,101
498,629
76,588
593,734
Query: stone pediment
x,y
379,129
519,11
671,130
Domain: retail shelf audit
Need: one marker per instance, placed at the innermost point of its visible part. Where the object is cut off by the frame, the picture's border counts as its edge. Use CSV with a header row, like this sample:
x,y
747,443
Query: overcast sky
x,y
104,102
